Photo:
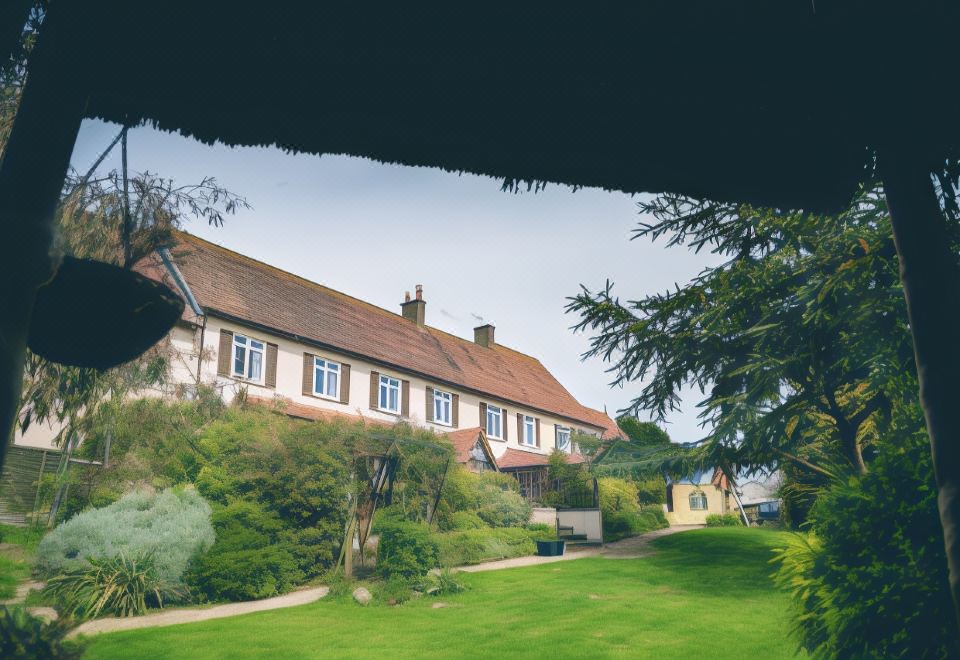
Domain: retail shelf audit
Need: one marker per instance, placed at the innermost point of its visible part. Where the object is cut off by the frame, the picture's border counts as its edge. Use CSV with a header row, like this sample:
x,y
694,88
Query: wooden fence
x,y
20,482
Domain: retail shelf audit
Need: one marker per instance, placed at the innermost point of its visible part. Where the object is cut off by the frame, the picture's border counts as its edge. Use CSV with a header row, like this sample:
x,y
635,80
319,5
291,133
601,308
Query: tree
x,y
643,433
798,341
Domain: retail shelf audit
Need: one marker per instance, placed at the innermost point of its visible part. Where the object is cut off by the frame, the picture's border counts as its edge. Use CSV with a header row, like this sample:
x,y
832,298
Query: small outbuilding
x,y
691,499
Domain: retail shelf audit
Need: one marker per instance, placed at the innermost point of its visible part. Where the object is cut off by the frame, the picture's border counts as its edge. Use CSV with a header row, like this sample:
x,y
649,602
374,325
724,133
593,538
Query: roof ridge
x,y
264,265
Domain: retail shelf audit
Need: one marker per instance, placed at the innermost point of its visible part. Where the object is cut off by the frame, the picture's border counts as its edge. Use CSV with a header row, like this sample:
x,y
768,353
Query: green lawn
x,y
16,560
705,593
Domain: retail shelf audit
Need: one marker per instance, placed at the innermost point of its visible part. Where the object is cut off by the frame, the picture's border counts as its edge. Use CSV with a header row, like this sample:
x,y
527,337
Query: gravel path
x,y
174,617
632,548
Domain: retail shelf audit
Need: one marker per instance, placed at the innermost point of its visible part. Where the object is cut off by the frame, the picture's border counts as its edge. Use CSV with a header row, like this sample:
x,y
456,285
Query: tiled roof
x,y
517,458
229,284
464,441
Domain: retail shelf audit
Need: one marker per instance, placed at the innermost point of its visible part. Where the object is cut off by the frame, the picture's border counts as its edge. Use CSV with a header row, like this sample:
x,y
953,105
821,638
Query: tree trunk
x,y
931,285
32,171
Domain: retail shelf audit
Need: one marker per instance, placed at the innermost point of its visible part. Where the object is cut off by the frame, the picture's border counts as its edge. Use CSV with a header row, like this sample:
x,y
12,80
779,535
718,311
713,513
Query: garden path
x,y
174,617
631,548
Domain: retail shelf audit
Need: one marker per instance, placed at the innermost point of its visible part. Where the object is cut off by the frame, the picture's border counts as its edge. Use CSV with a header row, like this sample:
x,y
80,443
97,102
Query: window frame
x,y
556,439
529,423
387,381
248,349
701,496
326,369
440,396
498,414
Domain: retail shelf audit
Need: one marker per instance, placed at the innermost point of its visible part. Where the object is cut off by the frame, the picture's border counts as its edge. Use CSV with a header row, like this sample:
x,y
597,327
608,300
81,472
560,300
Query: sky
x,y
374,231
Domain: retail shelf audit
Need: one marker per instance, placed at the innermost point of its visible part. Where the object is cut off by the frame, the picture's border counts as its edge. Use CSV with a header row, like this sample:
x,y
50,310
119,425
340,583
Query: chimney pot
x,y
406,297
483,335
415,310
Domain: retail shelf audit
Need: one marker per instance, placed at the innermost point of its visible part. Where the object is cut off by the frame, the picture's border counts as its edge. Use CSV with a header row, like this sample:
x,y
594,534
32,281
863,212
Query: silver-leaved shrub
x,y
172,527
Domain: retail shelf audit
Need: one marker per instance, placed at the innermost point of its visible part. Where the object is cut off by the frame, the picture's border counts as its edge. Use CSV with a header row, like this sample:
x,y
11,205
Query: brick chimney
x,y
483,335
415,310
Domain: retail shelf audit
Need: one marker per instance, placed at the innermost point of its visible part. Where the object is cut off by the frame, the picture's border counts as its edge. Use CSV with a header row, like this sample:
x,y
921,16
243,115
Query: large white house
x,y
252,327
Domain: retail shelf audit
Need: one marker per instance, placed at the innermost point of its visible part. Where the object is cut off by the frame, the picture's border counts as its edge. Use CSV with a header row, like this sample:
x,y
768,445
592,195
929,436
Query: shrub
x,y
251,558
723,520
171,527
618,495
477,545
445,582
871,580
25,636
493,496
119,585
622,524
406,549
652,491
542,530
461,520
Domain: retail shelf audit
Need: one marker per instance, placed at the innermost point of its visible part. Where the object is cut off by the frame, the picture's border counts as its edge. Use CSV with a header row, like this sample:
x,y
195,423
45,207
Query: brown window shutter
x,y
519,428
226,353
556,433
536,427
344,383
503,423
483,416
429,410
455,413
307,374
374,390
270,377
405,398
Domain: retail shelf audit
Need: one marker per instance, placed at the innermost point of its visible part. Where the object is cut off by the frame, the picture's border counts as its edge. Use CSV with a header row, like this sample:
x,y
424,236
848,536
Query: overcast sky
x,y
374,231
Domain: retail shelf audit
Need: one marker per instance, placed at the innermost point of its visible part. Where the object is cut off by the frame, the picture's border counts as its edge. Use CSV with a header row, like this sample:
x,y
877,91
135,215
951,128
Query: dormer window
x,y
248,358
326,378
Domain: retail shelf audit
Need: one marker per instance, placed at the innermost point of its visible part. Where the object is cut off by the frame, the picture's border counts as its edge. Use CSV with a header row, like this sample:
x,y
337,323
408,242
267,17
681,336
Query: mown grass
x,y
16,559
705,593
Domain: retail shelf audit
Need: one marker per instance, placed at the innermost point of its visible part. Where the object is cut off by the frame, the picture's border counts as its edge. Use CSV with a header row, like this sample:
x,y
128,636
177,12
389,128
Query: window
x,y
529,431
495,422
389,394
442,407
563,438
248,358
698,501
326,378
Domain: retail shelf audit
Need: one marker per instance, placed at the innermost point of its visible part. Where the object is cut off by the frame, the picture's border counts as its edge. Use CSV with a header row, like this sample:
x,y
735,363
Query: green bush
x,y
118,585
477,545
618,495
445,582
251,559
723,520
406,549
623,524
171,528
871,580
25,636
493,496
461,520
652,491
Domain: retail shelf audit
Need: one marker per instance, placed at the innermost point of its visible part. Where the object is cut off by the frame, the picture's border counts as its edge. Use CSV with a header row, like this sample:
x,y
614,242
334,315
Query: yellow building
x,y
691,500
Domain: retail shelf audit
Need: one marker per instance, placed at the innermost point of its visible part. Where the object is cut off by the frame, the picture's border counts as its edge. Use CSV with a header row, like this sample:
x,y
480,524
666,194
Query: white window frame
x,y
701,497
246,343
569,433
529,438
386,384
439,399
328,367
499,415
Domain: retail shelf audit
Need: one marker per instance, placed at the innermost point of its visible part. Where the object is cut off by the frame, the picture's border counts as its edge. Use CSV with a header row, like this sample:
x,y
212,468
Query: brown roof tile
x,y
226,283
513,459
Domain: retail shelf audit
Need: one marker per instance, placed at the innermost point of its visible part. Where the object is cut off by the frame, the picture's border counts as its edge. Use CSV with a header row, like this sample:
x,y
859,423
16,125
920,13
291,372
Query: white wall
x,y
290,378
